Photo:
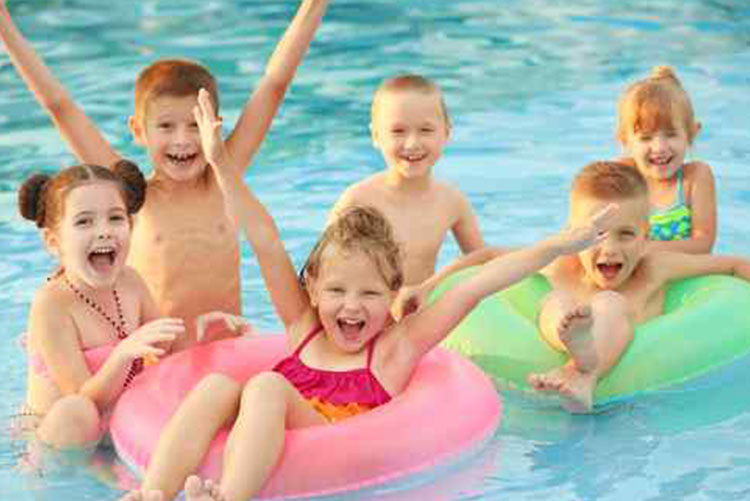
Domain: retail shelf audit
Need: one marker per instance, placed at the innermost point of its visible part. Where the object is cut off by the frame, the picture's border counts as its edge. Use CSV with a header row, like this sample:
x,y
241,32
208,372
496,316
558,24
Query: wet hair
x,y
609,181
408,82
175,78
658,101
359,229
41,198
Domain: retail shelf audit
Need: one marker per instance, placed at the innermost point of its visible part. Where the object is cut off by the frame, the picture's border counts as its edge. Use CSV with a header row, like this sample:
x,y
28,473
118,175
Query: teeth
x,y
103,250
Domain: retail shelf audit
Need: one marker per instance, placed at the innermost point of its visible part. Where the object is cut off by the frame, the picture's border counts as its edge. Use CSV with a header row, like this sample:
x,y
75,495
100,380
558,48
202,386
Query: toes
x,y
193,486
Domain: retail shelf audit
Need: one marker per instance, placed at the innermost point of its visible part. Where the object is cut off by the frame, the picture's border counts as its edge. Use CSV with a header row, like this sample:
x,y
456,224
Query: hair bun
x,y
31,198
135,184
664,72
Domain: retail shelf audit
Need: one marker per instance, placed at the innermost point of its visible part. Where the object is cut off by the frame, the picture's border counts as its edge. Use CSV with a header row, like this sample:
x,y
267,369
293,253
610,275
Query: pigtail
x,y
133,182
32,198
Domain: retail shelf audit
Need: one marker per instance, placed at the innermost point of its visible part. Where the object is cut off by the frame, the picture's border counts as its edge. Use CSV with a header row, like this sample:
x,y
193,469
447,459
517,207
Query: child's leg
x,y
72,422
212,404
270,404
595,336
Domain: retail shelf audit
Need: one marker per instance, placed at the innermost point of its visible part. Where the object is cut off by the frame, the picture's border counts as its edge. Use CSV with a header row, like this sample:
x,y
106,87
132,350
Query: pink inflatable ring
x,y
449,409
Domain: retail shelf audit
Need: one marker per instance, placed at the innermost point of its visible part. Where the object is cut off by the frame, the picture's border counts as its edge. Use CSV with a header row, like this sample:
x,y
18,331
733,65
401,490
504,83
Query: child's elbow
x,y
58,105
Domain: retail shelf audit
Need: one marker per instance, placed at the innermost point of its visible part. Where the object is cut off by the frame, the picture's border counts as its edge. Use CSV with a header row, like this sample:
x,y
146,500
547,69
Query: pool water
x,y
531,86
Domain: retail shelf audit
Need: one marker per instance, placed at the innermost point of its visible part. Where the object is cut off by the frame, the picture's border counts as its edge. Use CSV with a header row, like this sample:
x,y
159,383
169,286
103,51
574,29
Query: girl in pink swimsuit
x,y
348,355
93,320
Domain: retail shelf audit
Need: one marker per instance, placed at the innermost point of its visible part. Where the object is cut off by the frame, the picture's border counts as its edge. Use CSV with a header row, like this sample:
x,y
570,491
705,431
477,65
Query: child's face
x,y
93,236
410,130
352,298
169,132
659,154
611,263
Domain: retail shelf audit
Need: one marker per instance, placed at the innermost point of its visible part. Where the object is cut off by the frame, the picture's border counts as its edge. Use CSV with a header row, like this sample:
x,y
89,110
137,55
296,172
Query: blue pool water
x,y
531,86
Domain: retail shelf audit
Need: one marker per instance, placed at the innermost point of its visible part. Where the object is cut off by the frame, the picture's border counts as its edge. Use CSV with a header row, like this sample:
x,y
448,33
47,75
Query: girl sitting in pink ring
x,y
92,322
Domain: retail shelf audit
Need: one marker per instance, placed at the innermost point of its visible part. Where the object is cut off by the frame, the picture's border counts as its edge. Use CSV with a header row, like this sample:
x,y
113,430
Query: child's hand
x,y
410,299
573,240
210,129
150,340
214,325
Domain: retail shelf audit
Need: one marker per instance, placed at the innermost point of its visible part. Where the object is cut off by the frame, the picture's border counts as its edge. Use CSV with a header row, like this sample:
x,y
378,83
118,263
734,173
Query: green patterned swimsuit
x,y
674,222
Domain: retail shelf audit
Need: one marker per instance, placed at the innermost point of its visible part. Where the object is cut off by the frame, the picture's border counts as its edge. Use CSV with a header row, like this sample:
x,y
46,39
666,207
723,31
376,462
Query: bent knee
x,y
219,384
73,421
609,301
266,382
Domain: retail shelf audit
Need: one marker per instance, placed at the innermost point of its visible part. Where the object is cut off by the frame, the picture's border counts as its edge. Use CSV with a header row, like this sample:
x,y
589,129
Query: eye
x,y
117,218
627,234
164,126
371,293
82,222
335,290
397,130
427,130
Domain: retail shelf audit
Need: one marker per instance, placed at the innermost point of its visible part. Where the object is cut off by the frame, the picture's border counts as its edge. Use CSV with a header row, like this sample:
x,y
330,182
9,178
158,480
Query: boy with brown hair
x,y
410,126
183,244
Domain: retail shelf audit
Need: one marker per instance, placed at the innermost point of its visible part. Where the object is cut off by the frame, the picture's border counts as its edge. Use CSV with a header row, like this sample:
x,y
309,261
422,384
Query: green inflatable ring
x,y
706,325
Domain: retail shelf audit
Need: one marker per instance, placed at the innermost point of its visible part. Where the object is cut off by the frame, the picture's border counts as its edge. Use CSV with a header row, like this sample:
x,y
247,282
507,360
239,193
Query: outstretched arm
x,y
83,138
250,216
432,324
259,111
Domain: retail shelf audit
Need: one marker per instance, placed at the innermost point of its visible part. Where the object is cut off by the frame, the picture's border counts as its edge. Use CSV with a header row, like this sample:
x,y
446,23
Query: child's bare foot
x,y
198,490
143,496
575,387
574,331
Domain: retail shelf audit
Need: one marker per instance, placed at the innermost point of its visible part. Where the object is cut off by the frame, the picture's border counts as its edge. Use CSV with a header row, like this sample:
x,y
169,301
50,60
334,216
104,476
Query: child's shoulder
x,y
697,170
52,300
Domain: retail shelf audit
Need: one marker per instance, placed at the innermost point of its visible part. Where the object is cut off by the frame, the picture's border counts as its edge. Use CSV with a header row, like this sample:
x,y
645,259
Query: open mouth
x,y
181,159
609,270
350,328
415,157
102,258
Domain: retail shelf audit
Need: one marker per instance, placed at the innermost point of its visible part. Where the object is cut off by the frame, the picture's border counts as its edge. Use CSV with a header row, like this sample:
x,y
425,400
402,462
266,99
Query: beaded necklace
x,y
119,326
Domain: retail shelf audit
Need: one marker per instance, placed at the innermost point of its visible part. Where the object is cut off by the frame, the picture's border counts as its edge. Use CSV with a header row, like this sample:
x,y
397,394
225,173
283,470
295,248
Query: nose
x,y
411,140
658,143
103,230
351,302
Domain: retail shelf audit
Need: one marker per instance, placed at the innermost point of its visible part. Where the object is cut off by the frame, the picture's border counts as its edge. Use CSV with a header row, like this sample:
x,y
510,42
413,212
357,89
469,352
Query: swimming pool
x,y
531,86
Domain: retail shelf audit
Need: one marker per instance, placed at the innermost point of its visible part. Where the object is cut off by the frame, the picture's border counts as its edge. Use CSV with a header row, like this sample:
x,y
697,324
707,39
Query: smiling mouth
x,y
103,258
609,270
350,328
181,159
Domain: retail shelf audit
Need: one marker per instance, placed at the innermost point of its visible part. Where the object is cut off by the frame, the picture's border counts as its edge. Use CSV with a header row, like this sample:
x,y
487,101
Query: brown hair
x,y
172,77
408,82
653,103
609,181
360,229
41,198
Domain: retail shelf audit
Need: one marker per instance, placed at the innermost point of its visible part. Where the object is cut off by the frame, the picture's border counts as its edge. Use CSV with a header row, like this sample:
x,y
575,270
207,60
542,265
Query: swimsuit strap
x,y
370,349
313,332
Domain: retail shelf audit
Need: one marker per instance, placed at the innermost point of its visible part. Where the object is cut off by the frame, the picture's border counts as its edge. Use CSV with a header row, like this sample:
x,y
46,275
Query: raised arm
x,y
427,328
79,132
699,181
676,265
260,109
250,216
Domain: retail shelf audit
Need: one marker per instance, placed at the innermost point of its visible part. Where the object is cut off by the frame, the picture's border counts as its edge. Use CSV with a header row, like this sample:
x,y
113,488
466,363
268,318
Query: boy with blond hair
x,y
410,126
183,244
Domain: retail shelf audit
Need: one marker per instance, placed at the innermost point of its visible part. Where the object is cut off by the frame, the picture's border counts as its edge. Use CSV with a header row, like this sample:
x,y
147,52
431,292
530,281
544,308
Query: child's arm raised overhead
x,y
84,139
427,328
249,215
260,109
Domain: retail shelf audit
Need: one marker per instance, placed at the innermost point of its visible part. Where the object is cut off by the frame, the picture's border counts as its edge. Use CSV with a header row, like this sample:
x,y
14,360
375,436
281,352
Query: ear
x,y
136,128
51,242
697,126
374,135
